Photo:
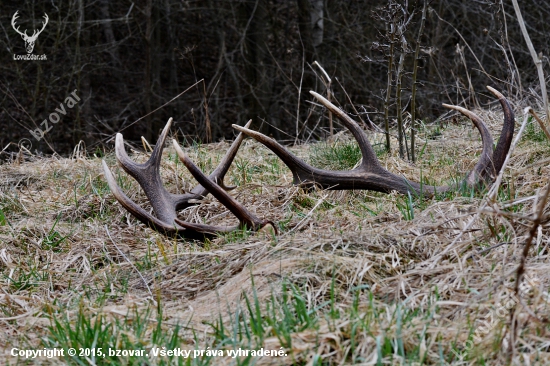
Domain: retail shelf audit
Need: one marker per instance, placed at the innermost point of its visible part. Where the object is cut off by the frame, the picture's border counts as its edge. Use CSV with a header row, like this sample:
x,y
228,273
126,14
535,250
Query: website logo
x,y
29,40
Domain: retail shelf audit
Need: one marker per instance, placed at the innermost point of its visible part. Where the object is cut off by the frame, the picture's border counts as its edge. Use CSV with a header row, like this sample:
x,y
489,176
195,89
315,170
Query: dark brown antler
x,y
371,175
165,204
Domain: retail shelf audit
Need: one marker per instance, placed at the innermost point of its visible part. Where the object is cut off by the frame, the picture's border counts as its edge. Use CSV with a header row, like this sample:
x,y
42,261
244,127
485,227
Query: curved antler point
x,y
316,95
460,109
105,166
179,151
168,125
242,129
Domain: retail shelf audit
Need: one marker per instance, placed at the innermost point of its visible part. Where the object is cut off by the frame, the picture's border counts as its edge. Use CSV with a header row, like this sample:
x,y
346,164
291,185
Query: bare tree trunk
x,y
306,38
537,59
156,58
148,57
305,12
414,78
317,22
254,15
112,44
398,90
108,31
83,130
173,82
389,87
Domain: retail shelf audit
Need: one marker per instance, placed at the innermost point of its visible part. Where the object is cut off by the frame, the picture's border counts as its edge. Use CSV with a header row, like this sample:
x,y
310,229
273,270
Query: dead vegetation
x,y
354,277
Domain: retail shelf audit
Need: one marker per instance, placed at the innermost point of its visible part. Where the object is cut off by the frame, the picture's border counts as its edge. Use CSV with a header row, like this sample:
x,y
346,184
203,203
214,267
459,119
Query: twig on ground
x,y
130,262
541,123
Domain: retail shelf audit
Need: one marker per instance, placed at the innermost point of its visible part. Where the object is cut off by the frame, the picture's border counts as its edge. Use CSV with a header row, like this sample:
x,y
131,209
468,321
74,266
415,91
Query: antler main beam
x,y
370,175
165,205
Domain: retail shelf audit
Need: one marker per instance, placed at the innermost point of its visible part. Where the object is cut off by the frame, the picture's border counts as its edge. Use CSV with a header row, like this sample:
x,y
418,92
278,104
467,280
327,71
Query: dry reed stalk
x,y
537,59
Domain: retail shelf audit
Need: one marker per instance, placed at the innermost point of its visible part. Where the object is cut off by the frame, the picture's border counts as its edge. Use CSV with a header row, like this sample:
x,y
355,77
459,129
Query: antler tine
x,y
246,218
367,152
218,174
506,135
482,169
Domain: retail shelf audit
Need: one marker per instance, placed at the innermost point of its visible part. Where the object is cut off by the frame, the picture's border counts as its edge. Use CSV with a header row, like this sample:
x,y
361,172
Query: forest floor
x,y
352,277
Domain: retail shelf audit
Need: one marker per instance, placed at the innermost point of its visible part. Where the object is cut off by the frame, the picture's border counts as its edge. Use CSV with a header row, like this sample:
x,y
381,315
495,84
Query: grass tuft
x,y
338,156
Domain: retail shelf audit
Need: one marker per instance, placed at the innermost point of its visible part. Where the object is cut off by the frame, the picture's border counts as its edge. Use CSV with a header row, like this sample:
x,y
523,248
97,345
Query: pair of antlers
x,y
369,175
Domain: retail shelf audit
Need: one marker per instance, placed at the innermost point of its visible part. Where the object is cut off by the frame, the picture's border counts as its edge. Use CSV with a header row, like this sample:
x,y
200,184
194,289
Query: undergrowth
x,y
352,277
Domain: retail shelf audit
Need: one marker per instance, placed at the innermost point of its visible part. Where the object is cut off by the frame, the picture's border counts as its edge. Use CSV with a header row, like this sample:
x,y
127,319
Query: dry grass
x,y
382,284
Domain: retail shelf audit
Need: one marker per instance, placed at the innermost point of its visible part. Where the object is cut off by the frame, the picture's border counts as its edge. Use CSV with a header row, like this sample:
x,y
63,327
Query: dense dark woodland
x,y
128,58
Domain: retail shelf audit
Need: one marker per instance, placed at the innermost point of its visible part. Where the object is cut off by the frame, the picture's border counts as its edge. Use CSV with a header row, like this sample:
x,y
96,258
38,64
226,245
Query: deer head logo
x,y
29,41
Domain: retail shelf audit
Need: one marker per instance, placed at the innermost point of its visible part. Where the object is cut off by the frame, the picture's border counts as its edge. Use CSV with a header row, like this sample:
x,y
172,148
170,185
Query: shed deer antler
x,y
371,175
165,204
